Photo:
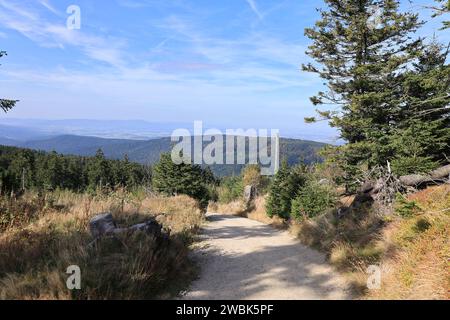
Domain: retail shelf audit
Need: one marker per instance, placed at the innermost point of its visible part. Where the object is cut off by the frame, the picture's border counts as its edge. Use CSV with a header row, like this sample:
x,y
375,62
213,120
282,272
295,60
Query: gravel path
x,y
244,259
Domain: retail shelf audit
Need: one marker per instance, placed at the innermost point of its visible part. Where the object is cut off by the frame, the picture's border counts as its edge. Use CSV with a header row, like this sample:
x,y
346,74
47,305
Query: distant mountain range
x,y
136,129
111,129
142,151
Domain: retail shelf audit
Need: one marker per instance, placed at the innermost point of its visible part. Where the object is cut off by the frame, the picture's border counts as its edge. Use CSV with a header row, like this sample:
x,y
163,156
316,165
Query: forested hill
x,y
22,169
149,151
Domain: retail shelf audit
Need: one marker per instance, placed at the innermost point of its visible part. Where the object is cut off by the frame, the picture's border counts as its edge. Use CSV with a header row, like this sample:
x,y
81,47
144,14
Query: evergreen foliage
x,y
173,179
313,199
231,189
443,7
285,186
388,86
26,169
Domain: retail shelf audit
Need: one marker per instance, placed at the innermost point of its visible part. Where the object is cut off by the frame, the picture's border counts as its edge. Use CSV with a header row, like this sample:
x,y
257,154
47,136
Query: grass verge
x,y
36,251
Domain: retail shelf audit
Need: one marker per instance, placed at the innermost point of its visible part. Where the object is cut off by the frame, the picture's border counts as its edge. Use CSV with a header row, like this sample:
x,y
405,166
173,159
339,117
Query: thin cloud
x,y
48,5
36,28
254,7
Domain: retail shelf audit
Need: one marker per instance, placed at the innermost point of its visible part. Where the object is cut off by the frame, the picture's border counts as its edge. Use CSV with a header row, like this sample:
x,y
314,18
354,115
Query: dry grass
x,y
233,208
34,257
413,252
418,268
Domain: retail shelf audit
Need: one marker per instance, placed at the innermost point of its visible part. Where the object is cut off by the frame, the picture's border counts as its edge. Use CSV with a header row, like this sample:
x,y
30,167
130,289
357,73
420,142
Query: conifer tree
x,y
422,137
363,48
172,179
284,188
99,171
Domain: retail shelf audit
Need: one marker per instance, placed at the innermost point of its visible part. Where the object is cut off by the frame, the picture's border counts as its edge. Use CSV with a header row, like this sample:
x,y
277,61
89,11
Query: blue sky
x,y
229,63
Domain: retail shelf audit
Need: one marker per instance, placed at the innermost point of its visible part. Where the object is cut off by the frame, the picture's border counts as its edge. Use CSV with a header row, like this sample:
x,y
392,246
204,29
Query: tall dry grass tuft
x,y
35,256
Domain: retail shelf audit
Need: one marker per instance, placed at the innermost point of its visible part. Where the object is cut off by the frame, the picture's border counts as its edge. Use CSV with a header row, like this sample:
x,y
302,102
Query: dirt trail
x,y
245,259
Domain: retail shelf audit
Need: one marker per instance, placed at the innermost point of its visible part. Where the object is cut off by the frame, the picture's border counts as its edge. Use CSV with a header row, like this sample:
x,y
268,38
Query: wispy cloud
x,y
254,7
252,62
32,25
49,6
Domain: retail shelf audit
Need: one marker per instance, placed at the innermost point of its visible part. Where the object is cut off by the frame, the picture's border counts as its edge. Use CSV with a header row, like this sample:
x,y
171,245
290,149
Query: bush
x,y
251,175
406,208
313,199
172,179
285,187
231,189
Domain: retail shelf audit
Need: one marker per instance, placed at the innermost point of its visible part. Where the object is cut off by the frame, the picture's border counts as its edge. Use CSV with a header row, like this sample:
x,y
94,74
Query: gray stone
x,y
249,193
102,224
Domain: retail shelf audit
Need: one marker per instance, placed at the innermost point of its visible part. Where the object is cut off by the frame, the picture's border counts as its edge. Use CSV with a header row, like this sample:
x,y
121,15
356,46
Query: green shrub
x,y
313,199
406,208
230,189
285,187
173,179
251,175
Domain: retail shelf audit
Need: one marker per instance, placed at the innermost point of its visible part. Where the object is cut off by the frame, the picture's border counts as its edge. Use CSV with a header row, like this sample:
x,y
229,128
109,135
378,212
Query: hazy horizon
x,y
142,129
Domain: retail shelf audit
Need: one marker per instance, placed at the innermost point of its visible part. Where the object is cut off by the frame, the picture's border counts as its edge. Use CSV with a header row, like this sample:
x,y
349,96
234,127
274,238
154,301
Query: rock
x,y
102,224
249,193
151,227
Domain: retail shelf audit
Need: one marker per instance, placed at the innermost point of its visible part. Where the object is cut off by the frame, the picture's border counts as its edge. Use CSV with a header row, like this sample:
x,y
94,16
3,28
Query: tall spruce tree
x,y
363,48
99,171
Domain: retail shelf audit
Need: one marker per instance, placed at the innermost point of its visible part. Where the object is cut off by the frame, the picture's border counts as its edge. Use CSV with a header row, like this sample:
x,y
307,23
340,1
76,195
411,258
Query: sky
x,y
233,63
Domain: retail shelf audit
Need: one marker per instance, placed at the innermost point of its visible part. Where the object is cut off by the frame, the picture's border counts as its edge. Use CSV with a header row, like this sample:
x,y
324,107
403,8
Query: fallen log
x,y
440,175
436,176
413,180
